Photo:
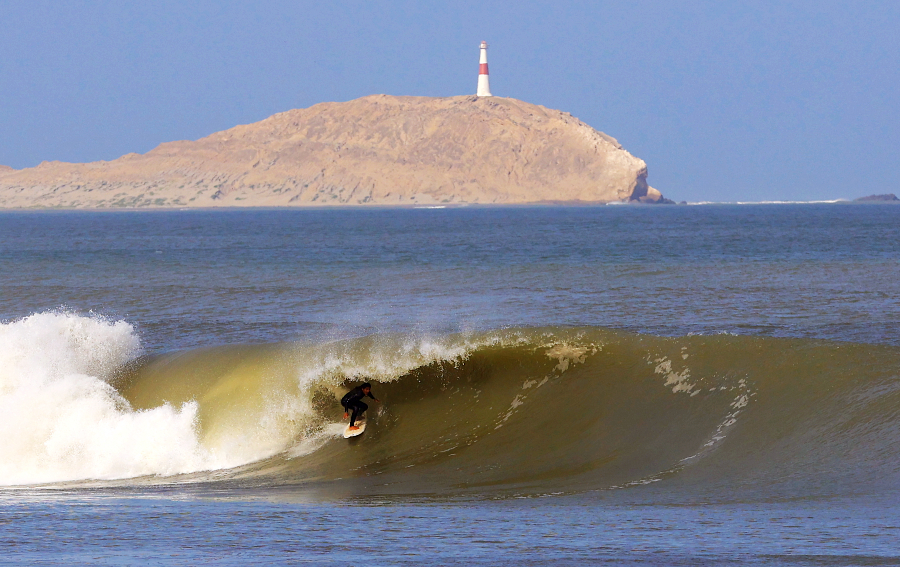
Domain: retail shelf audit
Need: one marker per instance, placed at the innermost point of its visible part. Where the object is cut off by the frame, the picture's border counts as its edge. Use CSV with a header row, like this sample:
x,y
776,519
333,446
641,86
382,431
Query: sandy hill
x,y
376,150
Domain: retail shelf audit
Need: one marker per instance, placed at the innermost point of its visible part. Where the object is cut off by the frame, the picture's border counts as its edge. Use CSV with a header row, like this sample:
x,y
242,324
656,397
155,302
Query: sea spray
x,y
62,419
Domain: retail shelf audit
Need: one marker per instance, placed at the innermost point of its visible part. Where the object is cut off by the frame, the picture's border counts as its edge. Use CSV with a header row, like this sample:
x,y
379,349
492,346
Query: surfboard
x,y
362,427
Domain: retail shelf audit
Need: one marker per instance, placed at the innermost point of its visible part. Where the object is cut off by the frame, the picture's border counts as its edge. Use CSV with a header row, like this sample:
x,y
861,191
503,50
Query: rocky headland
x,y
376,150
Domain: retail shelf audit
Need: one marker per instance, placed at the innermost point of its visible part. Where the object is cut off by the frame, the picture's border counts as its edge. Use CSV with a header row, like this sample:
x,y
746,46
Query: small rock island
x,y
886,198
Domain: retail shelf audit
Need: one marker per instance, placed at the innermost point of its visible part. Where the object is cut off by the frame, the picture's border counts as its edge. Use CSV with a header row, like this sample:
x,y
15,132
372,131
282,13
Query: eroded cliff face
x,y
377,150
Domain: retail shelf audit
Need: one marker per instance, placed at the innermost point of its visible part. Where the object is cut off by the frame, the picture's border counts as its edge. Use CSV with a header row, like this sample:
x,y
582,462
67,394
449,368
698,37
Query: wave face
x,y
524,411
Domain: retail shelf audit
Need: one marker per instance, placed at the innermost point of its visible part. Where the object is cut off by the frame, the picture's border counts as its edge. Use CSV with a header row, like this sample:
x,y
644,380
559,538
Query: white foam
x,y
312,443
61,420
678,380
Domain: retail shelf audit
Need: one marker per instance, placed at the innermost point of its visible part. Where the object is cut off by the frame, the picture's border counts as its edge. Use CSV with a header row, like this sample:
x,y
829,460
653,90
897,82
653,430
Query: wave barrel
x,y
484,86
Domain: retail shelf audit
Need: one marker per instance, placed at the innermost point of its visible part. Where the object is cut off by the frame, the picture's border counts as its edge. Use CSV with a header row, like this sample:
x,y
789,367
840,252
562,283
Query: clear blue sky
x,y
724,101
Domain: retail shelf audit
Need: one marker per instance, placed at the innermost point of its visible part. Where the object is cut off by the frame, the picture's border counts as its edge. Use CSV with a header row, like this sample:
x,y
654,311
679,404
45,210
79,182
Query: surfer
x,y
352,401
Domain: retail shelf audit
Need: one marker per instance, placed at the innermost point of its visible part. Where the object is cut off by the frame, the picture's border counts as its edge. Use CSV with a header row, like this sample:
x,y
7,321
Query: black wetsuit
x,y
353,401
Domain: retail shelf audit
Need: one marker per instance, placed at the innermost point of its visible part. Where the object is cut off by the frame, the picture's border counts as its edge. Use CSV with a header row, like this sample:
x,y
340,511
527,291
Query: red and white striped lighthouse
x,y
484,86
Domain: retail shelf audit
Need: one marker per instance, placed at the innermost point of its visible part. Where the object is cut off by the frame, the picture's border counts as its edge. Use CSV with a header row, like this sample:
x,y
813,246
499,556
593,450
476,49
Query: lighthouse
x,y
484,86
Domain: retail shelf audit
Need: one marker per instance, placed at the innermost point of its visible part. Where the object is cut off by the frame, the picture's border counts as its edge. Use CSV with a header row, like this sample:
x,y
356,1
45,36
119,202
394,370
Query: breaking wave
x,y
524,411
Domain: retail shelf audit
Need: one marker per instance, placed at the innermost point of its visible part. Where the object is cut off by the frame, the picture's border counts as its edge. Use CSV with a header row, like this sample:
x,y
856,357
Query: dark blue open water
x,y
101,471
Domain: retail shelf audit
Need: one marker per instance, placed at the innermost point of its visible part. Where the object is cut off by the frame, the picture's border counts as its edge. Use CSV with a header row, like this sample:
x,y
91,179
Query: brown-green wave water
x,y
541,411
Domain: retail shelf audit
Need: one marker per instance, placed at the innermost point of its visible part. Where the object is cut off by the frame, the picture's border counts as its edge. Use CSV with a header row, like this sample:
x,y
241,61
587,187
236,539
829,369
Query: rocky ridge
x,y
377,150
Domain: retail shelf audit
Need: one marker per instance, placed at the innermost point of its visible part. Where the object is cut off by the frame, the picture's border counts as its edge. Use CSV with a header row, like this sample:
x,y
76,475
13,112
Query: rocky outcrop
x,y
887,198
377,150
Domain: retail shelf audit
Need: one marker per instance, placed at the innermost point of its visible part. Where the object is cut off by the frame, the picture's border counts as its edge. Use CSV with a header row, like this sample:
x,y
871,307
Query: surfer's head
x,y
366,387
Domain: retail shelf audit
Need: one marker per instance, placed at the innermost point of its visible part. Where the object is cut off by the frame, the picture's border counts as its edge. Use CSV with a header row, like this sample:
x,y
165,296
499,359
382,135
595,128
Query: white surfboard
x,y
362,427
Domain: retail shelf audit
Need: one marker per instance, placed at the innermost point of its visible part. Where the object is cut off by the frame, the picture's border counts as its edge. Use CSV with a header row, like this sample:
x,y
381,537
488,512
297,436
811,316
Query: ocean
x,y
632,385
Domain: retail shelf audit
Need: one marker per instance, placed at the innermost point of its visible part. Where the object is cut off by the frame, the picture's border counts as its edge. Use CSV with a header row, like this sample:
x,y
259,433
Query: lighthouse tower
x,y
484,86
